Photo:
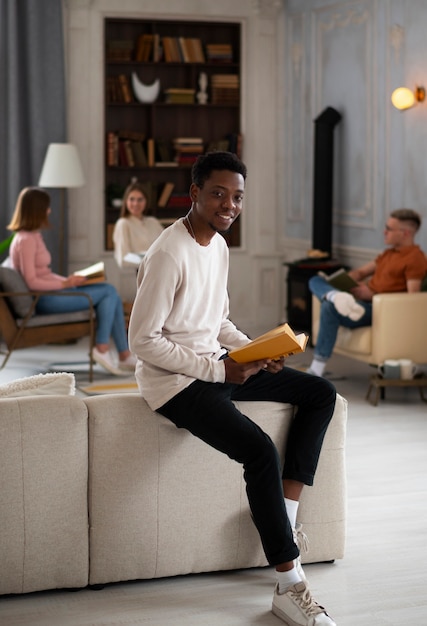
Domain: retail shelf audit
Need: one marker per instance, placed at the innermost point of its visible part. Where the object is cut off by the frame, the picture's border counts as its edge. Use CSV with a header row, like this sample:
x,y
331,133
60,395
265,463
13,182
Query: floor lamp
x,y
61,169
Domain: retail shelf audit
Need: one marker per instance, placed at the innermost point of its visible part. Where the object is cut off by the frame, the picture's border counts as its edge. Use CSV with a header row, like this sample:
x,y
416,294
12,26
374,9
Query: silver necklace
x,y
190,226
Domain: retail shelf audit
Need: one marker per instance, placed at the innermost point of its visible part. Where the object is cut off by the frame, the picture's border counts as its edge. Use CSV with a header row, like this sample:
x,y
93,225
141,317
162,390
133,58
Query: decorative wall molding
x,y
397,38
297,53
354,200
267,8
344,18
297,134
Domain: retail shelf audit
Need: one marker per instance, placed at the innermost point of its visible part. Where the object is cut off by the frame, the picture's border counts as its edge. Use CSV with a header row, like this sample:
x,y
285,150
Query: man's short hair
x,y
412,218
207,163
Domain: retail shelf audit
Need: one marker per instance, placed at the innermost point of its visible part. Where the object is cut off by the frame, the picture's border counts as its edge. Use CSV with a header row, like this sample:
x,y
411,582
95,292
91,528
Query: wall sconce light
x,y
403,98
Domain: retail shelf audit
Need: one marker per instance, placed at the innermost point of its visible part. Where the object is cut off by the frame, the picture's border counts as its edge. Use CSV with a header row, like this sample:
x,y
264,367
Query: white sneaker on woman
x,y
106,361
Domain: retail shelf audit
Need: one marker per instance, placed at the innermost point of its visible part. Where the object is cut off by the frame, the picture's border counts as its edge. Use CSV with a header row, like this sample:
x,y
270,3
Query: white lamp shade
x,y
61,167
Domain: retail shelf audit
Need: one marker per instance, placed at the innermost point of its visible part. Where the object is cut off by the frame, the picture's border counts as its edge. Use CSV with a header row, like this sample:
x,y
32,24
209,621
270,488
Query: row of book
x,y
187,149
225,89
118,89
133,149
219,52
152,48
179,95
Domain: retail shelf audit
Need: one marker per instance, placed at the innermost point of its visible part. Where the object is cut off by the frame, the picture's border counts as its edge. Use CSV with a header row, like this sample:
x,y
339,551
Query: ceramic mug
x,y
408,369
389,369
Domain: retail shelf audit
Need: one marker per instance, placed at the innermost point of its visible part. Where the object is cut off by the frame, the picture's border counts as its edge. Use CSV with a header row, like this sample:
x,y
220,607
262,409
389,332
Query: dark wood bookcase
x,y
216,123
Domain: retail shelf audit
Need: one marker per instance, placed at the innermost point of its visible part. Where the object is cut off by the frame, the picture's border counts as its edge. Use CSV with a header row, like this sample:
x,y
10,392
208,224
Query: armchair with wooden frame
x,y
22,327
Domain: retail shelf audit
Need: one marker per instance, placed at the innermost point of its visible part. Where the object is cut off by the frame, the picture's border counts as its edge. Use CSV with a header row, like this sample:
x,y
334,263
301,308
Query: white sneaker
x,y
346,305
297,607
128,364
106,361
301,540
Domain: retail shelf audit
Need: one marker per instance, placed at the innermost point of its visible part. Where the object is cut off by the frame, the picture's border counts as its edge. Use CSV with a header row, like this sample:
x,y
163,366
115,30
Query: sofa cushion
x,y
12,281
55,318
43,494
358,340
190,512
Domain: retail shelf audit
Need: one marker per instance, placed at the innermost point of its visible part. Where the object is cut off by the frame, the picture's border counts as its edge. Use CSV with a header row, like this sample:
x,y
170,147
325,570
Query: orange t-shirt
x,y
394,267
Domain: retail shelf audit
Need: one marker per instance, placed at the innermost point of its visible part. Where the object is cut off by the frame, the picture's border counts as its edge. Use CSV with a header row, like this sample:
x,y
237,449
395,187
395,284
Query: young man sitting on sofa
x,y
180,332
401,267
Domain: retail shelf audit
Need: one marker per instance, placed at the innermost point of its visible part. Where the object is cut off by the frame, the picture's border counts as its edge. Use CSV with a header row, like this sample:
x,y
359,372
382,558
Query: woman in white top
x,y
134,231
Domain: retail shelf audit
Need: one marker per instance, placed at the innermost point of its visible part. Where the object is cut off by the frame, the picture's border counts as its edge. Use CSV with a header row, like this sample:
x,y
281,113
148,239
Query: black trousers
x,y
207,411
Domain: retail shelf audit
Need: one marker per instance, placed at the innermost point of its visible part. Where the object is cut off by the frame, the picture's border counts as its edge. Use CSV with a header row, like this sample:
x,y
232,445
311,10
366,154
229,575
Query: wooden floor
x,y
382,580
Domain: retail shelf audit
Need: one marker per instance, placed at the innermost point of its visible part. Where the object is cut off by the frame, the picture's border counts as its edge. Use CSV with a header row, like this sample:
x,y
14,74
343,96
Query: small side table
x,y
379,384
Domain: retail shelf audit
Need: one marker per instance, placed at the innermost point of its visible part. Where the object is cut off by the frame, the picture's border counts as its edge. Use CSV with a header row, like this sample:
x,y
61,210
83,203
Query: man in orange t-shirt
x,y
401,267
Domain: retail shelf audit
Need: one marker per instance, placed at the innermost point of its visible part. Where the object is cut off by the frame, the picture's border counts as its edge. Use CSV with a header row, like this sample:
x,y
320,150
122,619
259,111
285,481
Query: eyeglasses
x,y
389,229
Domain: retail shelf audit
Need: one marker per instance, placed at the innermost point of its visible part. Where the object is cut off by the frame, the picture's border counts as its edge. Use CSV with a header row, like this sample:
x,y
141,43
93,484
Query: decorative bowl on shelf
x,y
145,93
116,203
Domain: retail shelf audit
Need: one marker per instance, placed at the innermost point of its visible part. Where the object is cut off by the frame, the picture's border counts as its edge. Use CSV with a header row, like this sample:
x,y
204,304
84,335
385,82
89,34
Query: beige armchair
x,y
398,331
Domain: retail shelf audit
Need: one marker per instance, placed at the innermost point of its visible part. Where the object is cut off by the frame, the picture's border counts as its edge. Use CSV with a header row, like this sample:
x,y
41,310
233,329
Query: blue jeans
x,y
108,306
331,320
207,411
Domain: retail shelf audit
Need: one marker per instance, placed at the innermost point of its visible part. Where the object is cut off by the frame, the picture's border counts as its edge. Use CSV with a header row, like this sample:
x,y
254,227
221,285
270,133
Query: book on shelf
x,y
278,342
125,87
152,193
185,51
119,50
129,153
126,148
171,50
112,149
196,48
225,88
188,140
163,150
113,90
144,47
151,152
93,273
123,159
178,95
179,200
340,280
139,154
165,194
157,48
219,52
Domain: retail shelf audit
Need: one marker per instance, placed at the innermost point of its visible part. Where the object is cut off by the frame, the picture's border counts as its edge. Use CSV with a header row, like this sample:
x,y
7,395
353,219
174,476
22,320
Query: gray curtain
x,y
32,101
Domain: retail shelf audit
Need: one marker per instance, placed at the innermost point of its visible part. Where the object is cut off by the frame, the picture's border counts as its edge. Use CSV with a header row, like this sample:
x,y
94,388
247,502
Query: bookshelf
x,y
157,141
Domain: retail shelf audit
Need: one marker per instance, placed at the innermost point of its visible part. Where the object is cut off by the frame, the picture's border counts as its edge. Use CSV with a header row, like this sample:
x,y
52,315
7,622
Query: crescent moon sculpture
x,y
145,93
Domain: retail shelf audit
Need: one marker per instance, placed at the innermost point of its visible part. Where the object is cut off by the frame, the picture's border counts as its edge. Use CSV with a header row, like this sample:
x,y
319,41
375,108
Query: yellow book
x,y
278,342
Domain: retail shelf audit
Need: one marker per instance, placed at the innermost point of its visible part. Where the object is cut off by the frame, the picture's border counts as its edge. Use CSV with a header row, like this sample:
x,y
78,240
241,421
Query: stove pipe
x,y
323,179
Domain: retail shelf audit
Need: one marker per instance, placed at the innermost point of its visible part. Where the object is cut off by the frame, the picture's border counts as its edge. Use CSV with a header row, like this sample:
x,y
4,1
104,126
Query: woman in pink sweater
x,y
30,257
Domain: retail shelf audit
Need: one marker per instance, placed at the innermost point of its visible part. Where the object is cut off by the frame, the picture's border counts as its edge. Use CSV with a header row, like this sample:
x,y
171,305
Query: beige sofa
x,y
102,489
